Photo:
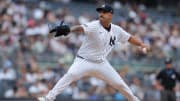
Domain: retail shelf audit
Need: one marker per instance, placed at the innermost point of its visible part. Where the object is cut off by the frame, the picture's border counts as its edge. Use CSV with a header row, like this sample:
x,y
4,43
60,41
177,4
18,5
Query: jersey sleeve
x,y
178,76
159,76
89,28
123,36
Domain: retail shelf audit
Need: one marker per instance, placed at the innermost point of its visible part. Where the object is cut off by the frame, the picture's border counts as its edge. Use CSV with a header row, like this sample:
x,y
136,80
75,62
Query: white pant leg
x,y
107,73
78,69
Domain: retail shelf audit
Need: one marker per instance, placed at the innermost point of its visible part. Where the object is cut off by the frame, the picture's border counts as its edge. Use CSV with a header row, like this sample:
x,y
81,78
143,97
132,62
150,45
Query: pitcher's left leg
x,y
78,69
107,73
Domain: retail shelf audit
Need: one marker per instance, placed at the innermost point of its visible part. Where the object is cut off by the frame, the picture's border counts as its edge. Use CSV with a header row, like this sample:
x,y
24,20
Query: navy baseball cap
x,y
168,61
106,8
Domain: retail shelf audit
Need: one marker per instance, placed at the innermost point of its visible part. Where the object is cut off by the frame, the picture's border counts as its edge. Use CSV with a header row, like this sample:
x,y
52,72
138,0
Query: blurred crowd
x,y
25,45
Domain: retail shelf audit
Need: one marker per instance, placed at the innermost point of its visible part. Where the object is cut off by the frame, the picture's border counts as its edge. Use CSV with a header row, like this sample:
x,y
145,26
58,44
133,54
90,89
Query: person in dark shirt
x,y
168,78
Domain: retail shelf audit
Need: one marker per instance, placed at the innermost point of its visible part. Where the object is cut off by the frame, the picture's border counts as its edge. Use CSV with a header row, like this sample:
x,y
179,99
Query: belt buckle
x,y
95,61
98,61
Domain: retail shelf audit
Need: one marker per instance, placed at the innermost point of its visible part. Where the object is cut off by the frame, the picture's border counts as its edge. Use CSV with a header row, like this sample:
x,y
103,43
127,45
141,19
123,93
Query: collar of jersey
x,y
105,28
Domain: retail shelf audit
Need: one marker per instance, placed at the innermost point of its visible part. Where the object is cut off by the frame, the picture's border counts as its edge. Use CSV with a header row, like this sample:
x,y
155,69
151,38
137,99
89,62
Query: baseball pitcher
x,y
100,37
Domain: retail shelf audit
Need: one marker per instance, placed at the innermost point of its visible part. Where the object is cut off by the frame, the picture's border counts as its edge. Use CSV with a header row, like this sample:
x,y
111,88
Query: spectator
x,y
136,88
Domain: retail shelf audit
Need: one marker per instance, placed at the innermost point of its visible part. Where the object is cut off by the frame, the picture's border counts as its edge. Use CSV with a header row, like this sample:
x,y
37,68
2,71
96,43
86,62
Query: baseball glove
x,y
59,29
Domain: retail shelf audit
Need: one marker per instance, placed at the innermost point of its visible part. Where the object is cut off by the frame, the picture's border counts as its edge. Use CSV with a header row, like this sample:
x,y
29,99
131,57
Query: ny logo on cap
x,y
103,5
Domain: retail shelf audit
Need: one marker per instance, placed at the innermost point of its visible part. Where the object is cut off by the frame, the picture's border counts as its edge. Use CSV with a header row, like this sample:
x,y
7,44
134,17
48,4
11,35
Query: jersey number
x,y
112,40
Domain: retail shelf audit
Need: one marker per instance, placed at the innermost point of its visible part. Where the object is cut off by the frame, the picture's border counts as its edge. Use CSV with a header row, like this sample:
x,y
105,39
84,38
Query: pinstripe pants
x,y
103,71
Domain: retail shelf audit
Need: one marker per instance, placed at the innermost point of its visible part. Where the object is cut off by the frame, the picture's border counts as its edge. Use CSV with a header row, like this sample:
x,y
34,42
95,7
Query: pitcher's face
x,y
105,16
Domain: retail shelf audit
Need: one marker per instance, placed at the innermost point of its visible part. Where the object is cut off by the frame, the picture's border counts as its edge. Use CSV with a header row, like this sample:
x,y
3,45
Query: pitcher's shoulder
x,y
92,23
116,26
95,22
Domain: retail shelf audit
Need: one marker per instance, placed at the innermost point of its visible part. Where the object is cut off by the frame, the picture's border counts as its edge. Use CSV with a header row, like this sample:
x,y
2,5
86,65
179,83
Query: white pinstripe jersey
x,y
99,42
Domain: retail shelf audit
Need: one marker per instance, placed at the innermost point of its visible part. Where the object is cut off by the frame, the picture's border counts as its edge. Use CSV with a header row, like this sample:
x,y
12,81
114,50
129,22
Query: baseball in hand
x,y
144,50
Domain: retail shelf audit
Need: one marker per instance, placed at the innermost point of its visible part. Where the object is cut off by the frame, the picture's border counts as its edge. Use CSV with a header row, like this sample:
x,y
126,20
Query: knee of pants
x,y
71,76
